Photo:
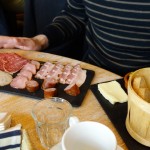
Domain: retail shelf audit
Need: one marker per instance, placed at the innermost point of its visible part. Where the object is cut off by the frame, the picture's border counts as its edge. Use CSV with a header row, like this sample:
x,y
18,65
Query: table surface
x,y
20,107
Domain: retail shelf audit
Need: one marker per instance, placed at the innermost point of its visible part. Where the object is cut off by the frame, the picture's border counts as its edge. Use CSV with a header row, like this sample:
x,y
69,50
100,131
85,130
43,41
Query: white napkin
x,y
10,139
5,121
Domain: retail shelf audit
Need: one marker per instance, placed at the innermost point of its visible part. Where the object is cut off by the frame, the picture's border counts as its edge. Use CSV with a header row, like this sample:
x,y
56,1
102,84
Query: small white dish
x,y
58,147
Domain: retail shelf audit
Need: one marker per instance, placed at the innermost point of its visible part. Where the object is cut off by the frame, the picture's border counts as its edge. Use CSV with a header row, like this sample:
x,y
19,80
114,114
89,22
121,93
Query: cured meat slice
x,y
66,71
74,74
42,73
30,67
25,73
77,75
2,61
56,71
36,63
19,82
81,78
49,83
11,62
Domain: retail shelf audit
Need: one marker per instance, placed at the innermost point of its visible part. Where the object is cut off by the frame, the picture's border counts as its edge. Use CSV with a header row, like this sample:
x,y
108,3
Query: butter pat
x,y
113,92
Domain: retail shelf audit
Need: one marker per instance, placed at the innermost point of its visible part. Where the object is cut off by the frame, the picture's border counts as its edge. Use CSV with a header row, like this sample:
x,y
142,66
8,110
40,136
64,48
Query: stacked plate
x,y
5,121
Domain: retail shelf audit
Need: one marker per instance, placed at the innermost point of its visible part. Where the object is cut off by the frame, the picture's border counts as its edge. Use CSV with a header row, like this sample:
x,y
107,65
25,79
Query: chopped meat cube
x,y
72,89
19,82
36,63
30,67
50,92
32,85
25,73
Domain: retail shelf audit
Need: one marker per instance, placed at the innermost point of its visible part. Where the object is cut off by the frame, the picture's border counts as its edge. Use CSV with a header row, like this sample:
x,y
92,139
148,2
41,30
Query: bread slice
x,y
5,78
144,93
139,82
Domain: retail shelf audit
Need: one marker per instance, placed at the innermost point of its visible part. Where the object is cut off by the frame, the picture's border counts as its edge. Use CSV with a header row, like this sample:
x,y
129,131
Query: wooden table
x,y
20,107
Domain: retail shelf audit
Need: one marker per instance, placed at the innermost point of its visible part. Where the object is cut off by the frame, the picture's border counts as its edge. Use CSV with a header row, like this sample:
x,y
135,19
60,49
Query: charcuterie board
x,y
39,94
117,114
74,100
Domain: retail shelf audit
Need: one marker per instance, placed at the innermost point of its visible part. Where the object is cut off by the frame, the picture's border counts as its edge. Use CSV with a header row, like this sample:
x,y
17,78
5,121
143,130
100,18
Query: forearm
x,y
37,43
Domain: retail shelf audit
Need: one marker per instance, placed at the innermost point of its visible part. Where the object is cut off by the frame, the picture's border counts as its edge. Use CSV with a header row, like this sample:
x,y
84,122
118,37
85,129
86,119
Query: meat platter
x,y
39,94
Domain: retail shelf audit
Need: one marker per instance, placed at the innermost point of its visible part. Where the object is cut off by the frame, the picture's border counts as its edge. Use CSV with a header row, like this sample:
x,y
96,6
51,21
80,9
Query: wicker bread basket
x,y
138,116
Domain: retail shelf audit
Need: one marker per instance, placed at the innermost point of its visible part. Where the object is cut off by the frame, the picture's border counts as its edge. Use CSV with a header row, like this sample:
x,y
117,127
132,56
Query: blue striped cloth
x,y
117,32
10,139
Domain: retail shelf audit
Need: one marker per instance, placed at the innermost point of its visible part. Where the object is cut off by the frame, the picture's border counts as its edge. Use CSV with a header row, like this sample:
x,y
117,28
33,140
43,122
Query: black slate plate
x,y
74,100
117,114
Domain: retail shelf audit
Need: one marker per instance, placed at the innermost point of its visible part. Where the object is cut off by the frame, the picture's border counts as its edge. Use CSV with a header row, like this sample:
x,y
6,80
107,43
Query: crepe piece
x,y
113,92
26,144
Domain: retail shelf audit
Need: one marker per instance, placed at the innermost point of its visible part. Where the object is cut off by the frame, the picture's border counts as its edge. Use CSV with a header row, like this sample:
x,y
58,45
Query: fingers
x,y
6,46
3,41
26,44
23,47
19,43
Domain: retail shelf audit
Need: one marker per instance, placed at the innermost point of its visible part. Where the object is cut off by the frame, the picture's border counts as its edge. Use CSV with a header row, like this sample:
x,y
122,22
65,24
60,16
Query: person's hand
x,y
37,43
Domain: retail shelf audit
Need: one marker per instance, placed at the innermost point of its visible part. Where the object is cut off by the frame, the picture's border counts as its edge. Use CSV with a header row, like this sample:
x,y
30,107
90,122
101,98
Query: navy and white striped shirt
x,y
117,32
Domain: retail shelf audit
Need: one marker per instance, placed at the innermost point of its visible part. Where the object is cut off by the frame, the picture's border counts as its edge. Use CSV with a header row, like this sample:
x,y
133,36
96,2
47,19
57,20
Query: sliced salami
x,y
11,62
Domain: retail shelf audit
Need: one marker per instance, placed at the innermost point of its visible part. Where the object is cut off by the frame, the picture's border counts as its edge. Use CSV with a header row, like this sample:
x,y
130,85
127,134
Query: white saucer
x,y
58,147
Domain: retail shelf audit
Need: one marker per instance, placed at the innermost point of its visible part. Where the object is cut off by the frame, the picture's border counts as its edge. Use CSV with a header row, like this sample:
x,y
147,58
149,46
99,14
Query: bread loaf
x,y
139,82
144,93
141,88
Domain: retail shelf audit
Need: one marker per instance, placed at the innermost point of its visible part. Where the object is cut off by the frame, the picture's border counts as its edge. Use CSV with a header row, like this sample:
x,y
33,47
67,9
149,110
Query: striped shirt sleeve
x,y
11,138
117,32
69,24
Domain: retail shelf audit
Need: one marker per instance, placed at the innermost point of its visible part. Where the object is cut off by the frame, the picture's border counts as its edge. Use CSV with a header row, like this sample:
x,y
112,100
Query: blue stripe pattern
x,y
117,32
11,135
10,147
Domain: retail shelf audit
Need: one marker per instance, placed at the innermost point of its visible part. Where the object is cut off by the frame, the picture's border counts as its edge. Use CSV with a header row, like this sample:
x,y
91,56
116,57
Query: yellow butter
x,y
113,92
